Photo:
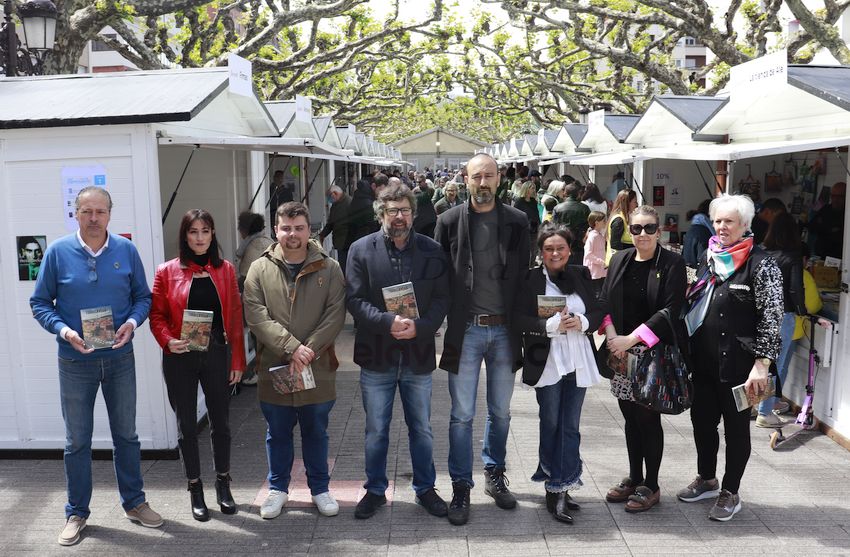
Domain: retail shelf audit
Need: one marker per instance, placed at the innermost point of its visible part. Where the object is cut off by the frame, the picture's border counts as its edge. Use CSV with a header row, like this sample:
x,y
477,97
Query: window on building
x,y
678,62
690,41
98,46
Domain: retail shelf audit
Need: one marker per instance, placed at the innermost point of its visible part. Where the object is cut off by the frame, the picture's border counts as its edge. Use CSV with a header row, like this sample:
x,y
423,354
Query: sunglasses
x,y
636,229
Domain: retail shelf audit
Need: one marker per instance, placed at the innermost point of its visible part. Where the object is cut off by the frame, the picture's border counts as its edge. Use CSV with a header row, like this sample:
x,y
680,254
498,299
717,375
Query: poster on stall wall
x,y
439,163
657,196
75,178
674,196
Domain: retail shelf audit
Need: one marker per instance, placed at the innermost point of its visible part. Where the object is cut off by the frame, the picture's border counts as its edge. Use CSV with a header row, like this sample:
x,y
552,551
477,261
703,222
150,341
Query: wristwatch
x,y
766,361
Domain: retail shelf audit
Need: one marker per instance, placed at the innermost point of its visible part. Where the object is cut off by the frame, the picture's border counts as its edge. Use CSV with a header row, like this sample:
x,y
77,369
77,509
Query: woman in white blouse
x,y
558,362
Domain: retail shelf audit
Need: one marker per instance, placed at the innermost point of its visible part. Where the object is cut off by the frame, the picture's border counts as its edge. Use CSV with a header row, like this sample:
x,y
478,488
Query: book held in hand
x,y
547,306
197,328
286,381
98,327
744,400
401,300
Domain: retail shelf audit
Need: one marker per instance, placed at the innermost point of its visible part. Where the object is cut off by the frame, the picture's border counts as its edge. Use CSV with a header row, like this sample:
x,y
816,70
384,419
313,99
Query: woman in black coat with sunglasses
x,y
641,282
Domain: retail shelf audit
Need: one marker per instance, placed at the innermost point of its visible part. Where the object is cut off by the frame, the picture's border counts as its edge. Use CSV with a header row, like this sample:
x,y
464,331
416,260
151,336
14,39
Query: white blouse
x,y
570,352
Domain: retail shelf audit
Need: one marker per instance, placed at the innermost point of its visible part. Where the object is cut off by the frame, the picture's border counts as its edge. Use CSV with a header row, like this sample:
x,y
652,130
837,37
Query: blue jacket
x,y
66,285
367,272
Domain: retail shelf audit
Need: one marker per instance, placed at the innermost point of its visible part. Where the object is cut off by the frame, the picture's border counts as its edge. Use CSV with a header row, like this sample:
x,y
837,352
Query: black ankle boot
x,y
199,506
223,495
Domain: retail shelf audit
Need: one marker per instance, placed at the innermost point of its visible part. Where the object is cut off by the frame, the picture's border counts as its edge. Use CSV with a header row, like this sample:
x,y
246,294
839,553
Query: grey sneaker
x,y
725,507
771,420
144,515
71,532
698,490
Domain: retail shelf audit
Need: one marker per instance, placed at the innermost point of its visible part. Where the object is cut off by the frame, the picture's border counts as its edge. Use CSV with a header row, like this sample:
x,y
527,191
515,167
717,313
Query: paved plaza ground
x,y
796,500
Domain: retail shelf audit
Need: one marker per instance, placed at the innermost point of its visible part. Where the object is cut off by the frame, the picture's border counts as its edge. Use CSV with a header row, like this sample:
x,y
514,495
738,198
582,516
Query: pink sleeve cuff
x,y
646,335
605,322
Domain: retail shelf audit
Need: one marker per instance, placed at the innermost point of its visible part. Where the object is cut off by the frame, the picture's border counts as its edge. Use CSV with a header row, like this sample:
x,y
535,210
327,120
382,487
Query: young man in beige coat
x,y
295,277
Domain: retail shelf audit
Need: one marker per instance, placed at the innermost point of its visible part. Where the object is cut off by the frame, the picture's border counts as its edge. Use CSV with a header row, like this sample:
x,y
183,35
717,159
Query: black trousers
x,y
713,400
182,374
644,441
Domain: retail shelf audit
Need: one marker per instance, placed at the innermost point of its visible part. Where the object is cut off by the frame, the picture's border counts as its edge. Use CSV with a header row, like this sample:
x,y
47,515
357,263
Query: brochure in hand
x,y
744,400
286,381
547,306
98,327
197,328
401,300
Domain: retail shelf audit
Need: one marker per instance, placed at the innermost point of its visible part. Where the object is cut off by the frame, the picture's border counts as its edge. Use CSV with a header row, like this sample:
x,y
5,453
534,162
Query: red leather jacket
x,y
171,292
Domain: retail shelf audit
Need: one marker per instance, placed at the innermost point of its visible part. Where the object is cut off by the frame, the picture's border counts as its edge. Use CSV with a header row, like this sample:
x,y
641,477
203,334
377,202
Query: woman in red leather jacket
x,y
199,279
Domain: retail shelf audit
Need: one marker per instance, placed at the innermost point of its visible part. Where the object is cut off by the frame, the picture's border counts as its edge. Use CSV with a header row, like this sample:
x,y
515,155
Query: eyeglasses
x,y
406,211
636,229
93,266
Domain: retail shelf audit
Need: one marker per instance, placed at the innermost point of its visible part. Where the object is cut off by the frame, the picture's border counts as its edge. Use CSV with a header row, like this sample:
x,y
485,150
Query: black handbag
x,y
662,381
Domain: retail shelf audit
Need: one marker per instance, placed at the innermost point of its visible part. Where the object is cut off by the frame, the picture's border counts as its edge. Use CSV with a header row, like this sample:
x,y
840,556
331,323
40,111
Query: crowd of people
x,y
467,249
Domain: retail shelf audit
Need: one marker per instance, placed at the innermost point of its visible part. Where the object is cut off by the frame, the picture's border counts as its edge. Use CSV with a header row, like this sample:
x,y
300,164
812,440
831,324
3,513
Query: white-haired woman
x,y
553,196
734,318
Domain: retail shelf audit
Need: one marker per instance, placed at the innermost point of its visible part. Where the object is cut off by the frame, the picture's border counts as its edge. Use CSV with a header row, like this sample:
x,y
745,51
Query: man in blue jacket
x,y
92,269
396,348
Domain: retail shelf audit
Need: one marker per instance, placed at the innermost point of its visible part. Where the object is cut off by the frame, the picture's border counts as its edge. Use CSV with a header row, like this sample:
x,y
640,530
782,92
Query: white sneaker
x,y
273,503
252,380
326,503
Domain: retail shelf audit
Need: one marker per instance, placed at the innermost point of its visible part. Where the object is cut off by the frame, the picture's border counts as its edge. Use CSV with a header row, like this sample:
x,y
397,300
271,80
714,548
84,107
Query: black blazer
x,y
452,233
368,270
665,288
533,328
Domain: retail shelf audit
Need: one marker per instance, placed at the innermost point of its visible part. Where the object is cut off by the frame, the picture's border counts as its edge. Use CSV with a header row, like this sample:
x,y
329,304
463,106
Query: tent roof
x,y
121,98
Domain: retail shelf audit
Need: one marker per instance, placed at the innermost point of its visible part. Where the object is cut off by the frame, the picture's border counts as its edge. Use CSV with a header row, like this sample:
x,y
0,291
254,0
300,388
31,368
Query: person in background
x,y
593,199
573,214
617,234
828,224
553,196
559,362
527,203
425,218
738,296
696,240
361,220
91,269
199,279
813,302
449,201
641,282
594,249
338,223
767,212
517,184
783,244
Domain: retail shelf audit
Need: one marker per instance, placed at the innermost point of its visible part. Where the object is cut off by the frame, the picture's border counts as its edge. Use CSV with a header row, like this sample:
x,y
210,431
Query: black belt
x,y
487,320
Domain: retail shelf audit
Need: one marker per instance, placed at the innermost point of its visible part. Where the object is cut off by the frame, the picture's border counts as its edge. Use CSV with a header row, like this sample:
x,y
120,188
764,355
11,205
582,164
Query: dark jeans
x,y
713,400
560,411
182,374
644,441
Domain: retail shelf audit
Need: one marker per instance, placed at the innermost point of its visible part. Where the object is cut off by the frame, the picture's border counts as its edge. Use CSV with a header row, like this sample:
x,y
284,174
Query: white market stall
x,y
130,125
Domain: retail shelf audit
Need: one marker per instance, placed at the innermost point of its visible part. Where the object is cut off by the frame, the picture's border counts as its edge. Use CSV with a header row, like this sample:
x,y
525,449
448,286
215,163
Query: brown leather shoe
x,y
642,500
620,492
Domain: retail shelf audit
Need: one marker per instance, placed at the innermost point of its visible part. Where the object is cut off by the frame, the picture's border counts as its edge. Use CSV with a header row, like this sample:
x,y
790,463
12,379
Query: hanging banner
x,y
303,109
75,178
768,74
240,75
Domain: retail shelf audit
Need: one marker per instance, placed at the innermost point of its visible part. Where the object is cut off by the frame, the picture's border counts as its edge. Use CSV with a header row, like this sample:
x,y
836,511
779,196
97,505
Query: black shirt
x,y
635,302
203,296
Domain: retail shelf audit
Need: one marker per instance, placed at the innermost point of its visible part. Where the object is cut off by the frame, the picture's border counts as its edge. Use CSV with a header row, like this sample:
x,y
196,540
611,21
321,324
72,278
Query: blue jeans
x,y
378,390
79,381
280,443
560,410
785,357
493,346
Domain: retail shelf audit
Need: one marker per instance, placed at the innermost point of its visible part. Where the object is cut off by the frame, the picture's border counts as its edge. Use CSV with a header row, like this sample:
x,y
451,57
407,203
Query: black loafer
x,y
368,506
433,503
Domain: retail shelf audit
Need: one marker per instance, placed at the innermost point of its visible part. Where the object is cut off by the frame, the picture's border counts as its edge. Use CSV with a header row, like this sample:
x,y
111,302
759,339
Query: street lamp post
x,y
39,24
